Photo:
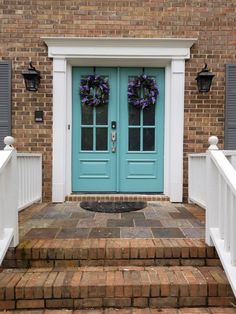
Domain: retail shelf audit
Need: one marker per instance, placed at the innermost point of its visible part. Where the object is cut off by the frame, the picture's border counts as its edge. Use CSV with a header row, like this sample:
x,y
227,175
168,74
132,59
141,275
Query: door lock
x,y
113,125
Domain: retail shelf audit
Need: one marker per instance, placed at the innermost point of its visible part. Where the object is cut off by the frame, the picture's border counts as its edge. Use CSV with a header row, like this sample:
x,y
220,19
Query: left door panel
x,y
93,162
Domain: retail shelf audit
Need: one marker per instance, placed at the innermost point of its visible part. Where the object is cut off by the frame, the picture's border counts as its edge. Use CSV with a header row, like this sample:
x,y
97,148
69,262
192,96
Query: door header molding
x,y
76,49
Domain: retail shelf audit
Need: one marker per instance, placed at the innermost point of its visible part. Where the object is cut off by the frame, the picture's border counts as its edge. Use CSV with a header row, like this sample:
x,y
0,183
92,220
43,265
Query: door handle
x,y
113,139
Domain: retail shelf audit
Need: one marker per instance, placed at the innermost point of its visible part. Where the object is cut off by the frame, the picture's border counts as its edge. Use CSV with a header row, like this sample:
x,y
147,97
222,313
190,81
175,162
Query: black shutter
x,y
230,107
5,100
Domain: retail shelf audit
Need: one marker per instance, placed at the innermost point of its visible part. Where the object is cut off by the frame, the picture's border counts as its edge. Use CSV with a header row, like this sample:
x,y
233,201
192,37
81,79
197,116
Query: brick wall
x,y
24,22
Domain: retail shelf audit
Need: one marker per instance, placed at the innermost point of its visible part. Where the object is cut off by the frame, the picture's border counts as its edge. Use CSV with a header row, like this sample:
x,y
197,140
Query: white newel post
x,y
176,130
212,183
11,194
59,130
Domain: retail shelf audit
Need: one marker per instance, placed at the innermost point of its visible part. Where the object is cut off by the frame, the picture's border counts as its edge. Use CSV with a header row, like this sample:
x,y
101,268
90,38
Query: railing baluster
x,y
2,207
222,206
233,229
227,217
221,201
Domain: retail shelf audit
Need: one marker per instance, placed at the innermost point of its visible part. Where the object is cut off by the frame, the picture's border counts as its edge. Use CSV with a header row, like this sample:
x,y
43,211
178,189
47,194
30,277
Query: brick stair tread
x,y
107,282
111,252
192,310
112,249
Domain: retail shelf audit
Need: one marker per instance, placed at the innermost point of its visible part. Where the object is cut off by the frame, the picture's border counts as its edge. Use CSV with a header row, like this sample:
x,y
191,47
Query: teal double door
x,y
117,147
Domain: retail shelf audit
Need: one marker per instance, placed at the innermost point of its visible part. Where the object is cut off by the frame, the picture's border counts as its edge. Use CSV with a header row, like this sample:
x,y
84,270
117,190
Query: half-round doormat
x,y
113,207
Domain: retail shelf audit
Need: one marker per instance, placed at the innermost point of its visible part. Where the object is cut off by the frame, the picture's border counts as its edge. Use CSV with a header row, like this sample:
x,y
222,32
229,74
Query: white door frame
x,y
127,52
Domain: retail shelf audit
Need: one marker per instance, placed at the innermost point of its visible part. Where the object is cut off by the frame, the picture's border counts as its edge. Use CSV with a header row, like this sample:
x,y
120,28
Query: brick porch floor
x,y
70,221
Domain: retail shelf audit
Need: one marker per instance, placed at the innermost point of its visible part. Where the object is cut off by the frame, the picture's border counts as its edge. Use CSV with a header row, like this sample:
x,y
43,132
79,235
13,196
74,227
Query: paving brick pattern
x,y
118,287
70,221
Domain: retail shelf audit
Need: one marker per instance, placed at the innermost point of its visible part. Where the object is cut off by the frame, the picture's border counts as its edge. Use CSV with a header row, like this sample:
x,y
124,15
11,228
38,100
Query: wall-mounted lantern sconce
x,y
32,78
204,80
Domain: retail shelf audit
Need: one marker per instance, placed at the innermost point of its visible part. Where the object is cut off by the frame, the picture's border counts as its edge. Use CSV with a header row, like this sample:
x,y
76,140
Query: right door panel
x,y
141,136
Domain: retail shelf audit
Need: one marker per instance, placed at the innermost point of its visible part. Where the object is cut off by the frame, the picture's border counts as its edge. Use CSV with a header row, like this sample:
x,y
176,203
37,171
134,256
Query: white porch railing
x,y
212,181
8,200
30,179
20,186
197,175
197,179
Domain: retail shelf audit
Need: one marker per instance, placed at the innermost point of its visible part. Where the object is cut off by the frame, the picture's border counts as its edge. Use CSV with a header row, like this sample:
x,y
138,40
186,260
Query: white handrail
x,y
225,169
8,198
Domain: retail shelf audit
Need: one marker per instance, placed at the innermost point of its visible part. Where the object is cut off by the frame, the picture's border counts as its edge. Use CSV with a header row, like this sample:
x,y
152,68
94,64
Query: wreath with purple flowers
x,y
94,90
142,91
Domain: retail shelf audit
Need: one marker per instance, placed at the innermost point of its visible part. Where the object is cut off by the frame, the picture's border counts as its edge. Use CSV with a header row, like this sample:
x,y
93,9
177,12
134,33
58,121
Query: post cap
x,y
213,141
9,141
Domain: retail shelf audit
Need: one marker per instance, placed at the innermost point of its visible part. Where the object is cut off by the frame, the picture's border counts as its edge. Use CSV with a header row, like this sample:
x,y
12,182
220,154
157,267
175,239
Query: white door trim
x,y
170,53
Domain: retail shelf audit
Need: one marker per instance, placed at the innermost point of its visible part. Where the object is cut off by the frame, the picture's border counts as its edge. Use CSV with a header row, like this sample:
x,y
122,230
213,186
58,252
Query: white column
x,y
176,130
59,130
167,131
68,128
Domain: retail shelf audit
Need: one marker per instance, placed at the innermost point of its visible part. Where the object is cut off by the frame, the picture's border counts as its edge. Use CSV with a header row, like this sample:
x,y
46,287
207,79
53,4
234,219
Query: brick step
x,y
116,197
119,287
192,310
111,252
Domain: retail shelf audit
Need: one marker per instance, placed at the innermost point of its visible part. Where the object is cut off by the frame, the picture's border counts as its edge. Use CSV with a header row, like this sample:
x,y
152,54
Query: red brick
x,y
7,305
163,302
140,302
117,302
88,303
59,303
48,285
192,301
220,301
29,304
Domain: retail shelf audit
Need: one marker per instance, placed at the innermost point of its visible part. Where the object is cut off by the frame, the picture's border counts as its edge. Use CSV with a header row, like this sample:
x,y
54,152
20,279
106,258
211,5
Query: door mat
x,y
113,207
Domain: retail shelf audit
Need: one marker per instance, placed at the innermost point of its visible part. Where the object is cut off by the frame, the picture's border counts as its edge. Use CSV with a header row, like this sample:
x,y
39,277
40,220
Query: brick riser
x,y
205,310
111,252
116,197
114,287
